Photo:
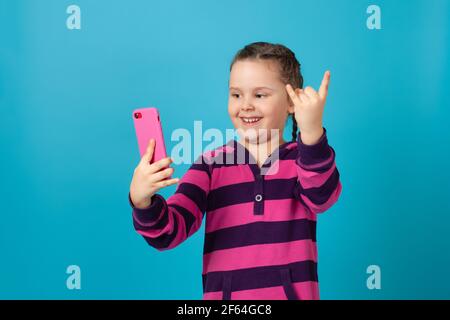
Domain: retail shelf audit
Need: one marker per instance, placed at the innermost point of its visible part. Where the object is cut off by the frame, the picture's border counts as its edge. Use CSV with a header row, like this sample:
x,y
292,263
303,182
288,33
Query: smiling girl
x,y
261,213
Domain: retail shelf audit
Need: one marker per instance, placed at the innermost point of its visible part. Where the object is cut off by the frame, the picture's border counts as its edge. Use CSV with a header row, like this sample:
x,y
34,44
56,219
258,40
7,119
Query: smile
x,y
250,121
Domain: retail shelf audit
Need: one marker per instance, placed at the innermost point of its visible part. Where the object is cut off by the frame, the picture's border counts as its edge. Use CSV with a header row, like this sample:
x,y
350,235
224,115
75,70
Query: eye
x,y
235,95
259,95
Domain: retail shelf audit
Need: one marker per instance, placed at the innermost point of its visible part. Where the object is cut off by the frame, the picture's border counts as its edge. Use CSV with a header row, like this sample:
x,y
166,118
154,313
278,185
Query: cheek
x,y
272,109
232,113
232,108
276,115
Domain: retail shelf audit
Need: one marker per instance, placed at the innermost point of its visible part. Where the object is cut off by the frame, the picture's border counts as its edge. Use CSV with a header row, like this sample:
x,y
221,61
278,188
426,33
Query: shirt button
x,y
258,197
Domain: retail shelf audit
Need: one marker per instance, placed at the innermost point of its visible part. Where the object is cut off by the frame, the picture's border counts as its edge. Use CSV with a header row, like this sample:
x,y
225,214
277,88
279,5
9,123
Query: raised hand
x,y
309,105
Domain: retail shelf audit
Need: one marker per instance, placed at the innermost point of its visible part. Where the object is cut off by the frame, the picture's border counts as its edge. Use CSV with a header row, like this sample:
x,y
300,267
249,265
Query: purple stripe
x,y
259,233
195,193
321,166
245,158
260,277
290,155
161,223
164,240
229,195
152,213
313,154
274,189
188,216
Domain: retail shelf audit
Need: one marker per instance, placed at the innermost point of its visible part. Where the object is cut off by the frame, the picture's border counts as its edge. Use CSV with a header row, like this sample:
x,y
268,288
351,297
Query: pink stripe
x,y
230,216
311,179
182,200
240,214
282,169
323,207
292,145
214,153
260,255
270,293
197,177
228,175
308,290
215,295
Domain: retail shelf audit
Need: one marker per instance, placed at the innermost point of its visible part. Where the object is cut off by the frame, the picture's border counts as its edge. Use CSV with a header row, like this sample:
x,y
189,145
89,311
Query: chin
x,y
253,135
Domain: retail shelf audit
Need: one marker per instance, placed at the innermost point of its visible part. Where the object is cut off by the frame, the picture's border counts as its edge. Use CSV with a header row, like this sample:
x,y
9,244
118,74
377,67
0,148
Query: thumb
x,y
147,157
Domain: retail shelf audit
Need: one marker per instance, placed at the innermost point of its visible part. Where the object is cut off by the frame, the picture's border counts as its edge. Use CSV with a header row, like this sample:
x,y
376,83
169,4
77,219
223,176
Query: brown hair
x,y
290,68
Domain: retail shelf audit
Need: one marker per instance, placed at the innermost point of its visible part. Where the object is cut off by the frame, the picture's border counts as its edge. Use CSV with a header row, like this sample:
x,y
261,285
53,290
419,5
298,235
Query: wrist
x,y
140,204
311,137
144,204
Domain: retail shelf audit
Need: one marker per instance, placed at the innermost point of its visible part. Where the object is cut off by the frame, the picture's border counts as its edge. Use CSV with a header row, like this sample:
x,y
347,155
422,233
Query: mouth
x,y
250,121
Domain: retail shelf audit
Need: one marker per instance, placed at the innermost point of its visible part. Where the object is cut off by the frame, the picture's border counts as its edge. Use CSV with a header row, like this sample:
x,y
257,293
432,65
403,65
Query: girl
x,y
260,240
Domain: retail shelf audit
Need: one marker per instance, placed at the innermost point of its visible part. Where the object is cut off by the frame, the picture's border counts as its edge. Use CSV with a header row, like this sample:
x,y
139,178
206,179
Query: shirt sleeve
x,y
167,223
318,186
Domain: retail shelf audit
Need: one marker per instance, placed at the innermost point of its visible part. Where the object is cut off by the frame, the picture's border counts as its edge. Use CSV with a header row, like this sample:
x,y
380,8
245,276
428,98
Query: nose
x,y
247,106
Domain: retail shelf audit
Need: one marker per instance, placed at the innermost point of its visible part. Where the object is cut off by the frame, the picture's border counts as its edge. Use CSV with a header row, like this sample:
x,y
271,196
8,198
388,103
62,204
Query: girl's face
x,y
258,99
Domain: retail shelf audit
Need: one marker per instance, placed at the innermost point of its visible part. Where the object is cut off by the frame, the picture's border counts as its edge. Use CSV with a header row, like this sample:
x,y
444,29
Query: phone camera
x,y
137,115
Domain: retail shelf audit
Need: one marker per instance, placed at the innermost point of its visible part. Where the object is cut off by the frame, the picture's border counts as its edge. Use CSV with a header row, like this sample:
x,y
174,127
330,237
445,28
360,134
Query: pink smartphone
x,y
147,125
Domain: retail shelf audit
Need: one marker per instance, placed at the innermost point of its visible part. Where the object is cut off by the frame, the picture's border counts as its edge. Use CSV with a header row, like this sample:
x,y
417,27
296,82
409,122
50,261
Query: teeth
x,y
250,120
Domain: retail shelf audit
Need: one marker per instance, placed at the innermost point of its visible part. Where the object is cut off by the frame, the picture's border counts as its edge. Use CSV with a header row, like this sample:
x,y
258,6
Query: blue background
x,y
68,147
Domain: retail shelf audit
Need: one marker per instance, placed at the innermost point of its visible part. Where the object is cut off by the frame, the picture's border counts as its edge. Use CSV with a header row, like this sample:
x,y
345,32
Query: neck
x,y
262,150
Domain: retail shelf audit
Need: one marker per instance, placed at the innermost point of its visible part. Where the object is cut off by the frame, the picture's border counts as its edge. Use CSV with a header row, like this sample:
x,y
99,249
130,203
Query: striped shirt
x,y
260,229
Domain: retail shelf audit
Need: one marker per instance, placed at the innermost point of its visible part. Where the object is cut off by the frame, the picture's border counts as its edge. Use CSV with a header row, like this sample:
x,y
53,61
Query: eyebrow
x,y
257,88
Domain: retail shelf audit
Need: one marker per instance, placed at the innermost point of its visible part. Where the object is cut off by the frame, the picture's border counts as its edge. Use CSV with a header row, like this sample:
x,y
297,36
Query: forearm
x,y
319,183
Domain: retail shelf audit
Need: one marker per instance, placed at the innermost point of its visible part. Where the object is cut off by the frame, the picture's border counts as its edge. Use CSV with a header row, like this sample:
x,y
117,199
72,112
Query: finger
x,y
161,175
311,93
160,164
149,151
323,90
292,94
166,183
300,94
304,97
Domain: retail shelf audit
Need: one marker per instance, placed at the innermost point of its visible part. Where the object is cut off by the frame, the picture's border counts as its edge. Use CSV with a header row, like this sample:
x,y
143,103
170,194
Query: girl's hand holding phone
x,y
148,177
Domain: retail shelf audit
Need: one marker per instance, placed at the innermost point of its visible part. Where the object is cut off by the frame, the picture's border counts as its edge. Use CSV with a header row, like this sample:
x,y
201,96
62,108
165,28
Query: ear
x,y
290,104
291,107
